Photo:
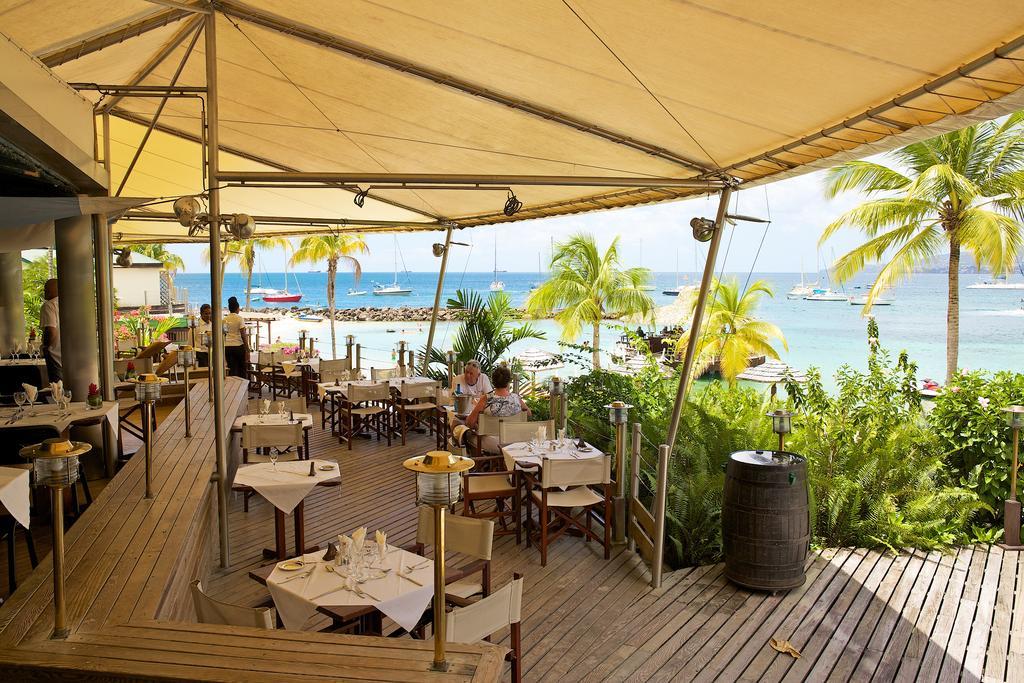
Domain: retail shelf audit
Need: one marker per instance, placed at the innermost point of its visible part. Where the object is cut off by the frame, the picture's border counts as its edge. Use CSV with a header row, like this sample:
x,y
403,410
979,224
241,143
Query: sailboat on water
x,y
283,296
804,288
496,284
679,288
394,289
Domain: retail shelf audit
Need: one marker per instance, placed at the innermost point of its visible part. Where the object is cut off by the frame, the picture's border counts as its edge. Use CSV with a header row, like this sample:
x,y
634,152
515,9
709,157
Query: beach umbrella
x,y
536,360
772,371
679,312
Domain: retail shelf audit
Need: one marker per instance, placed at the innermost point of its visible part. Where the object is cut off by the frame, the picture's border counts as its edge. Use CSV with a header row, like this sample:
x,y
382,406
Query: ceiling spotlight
x,y
241,226
438,249
703,229
360,197
124,258
185,210
512,204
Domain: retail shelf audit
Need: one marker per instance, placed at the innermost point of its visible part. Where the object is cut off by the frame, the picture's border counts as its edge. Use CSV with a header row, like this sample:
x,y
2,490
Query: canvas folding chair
x,y
262,437
415,406
365,408
479,620
488,428
467,536
337,369
513,432
563,486
210,611
383,374
500,488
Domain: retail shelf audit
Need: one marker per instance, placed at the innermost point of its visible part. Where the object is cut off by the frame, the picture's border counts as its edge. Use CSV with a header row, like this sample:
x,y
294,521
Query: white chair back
x,y
266,359
379,374
373,392
466,535
486,616
575,472
271,435
296,405
489,425
331,370
512,432
417,390
210,611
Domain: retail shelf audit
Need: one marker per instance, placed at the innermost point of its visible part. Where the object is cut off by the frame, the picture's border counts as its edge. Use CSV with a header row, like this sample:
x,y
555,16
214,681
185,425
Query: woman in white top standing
x,y
236,350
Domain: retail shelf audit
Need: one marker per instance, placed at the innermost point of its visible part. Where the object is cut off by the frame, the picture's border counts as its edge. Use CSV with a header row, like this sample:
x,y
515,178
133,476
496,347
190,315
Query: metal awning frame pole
x,y
698,316
217,323
437,297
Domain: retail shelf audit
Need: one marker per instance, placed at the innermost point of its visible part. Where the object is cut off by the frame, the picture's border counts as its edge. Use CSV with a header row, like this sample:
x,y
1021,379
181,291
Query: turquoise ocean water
x,y
825,335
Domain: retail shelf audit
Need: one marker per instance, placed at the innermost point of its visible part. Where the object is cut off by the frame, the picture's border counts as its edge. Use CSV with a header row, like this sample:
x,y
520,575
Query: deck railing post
x,y
634,484
660,496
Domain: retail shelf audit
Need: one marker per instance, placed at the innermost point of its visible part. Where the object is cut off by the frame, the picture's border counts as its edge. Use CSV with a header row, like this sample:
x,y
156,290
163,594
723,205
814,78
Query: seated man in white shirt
x,y
472,381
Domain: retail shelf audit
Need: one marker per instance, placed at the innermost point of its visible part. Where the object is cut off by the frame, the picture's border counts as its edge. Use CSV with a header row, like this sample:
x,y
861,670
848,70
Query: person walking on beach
x,y
49,321
236,349
203,333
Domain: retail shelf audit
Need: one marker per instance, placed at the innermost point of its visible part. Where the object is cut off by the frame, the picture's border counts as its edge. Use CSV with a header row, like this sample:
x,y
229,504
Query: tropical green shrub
x,y
33,276
970,426
876,471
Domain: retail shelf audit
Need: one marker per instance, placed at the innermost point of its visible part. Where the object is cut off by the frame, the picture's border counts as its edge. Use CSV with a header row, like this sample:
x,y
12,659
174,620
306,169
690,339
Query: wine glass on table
x,y
67,402
280,410
20,399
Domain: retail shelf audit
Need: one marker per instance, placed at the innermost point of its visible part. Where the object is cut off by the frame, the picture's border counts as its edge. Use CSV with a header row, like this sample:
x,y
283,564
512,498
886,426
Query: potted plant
x,y
94,400
129,372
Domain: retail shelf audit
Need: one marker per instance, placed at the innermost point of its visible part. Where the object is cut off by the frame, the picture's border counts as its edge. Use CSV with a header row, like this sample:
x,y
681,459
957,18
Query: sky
x,y
650,236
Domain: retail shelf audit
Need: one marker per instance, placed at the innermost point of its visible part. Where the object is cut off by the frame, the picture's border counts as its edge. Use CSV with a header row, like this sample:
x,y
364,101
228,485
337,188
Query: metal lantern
x,y
439,484
618,416
556,402
618,412
1011,506
556,387
55,465
147,392
186,356
782,424
450,358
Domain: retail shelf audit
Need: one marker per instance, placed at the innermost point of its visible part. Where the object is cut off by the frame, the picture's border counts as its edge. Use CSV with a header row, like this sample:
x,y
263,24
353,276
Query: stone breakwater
x,y
373,314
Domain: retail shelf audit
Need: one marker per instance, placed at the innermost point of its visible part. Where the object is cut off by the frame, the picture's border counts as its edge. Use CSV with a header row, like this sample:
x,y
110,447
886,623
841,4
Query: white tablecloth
x,y
47,415
14,492
288,484
297,594
330,387
13,362
519,453
271,419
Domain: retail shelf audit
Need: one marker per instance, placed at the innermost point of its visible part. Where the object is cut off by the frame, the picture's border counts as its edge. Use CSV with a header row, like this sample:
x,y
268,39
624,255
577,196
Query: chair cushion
x,y
370,410
492,483
578,496
464,588
418,406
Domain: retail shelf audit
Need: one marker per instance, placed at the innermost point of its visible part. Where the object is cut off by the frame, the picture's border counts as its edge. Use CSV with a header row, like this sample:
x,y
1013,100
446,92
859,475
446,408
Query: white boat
x,y
826,295
803,289
862,300
496,284
352,292
997,283
394,289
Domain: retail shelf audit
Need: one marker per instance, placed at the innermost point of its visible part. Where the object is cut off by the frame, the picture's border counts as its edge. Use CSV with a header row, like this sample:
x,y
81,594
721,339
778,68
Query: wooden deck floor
x,y
861,615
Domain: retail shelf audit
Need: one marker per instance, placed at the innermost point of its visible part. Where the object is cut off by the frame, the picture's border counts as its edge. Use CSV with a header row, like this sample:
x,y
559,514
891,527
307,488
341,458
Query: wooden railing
x,y
646,510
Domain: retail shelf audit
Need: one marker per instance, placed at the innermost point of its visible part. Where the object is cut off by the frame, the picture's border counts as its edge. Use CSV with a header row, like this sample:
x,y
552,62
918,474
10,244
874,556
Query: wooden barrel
x,y
765,519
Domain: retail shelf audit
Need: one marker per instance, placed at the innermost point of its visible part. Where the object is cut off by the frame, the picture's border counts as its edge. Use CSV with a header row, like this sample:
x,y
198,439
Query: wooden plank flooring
x,y
861,615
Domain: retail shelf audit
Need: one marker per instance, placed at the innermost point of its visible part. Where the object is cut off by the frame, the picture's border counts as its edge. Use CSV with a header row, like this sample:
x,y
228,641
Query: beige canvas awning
x,y
650,89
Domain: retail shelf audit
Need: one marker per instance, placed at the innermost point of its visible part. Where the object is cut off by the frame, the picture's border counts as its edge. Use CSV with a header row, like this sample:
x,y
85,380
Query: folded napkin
x,y
382,543
57,389
359,538
31,392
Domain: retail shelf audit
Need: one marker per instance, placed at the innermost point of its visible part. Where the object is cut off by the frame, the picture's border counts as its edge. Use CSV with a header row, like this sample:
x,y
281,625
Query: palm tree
x,y
486,332
586,286
172,262
334,249
730,333
961,190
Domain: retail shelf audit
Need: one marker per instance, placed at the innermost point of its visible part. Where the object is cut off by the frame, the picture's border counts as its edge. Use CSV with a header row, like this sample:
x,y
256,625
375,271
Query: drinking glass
x,y
280,409
67,402
263,411
273,457
20,398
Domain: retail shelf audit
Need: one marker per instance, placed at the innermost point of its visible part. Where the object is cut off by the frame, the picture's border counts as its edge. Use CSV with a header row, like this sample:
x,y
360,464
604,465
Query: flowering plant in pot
x,y
94,400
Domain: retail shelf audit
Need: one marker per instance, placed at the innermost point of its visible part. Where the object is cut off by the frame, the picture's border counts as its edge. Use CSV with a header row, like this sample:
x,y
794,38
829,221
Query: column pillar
x,y
12,312
104,305
79,345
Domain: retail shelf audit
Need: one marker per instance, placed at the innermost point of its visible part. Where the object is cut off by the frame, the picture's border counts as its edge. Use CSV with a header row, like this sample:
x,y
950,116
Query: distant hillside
x,y
939,265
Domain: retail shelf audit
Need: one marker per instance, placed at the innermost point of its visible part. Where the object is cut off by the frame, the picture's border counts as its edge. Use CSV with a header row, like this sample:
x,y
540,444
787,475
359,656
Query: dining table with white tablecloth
x,y
341,386
521,453
400,586
14,493
50,415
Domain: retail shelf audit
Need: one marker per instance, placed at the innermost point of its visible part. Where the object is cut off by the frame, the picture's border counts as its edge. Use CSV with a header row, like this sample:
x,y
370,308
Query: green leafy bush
x,y
970,426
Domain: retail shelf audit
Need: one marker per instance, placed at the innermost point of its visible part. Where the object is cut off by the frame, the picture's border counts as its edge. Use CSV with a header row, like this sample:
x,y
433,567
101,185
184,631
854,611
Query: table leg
x,y
300,528
305,442
279,540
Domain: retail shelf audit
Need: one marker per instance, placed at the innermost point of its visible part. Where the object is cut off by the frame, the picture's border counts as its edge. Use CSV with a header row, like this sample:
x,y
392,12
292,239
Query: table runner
x,y
286,485
297,594
14,493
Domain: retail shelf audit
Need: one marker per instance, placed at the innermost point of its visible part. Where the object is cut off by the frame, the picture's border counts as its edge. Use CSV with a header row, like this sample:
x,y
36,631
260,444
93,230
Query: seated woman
x,y
502,402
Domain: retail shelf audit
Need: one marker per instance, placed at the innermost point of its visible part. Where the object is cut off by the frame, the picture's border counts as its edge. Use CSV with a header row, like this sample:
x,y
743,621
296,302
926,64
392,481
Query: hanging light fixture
x,y
438,249
185,210
512,204
124,258
360,197
241,226
703,229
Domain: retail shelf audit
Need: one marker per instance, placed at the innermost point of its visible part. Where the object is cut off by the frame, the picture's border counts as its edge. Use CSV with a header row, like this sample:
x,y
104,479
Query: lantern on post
x,y
350,342
618,417
302,340
439,485
147,393
1011,507
401,358
782,424
556,398
55,465
450,358
187,358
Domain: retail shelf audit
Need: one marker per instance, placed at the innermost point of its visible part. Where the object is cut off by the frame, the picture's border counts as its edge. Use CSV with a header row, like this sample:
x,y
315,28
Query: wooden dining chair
x,y
383,374
280,436
562,487
9,527
415,405
479,620
365,408
513,432
336,369
488,430
210,611
500,488
467,536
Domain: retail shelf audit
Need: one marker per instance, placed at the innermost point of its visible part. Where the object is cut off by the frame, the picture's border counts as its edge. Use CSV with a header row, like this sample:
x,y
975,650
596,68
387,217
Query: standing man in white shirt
x,y
49,321
203,332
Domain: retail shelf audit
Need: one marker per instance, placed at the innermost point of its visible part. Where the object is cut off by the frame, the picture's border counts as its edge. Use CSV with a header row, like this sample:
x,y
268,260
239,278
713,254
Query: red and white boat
x,y
282,297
